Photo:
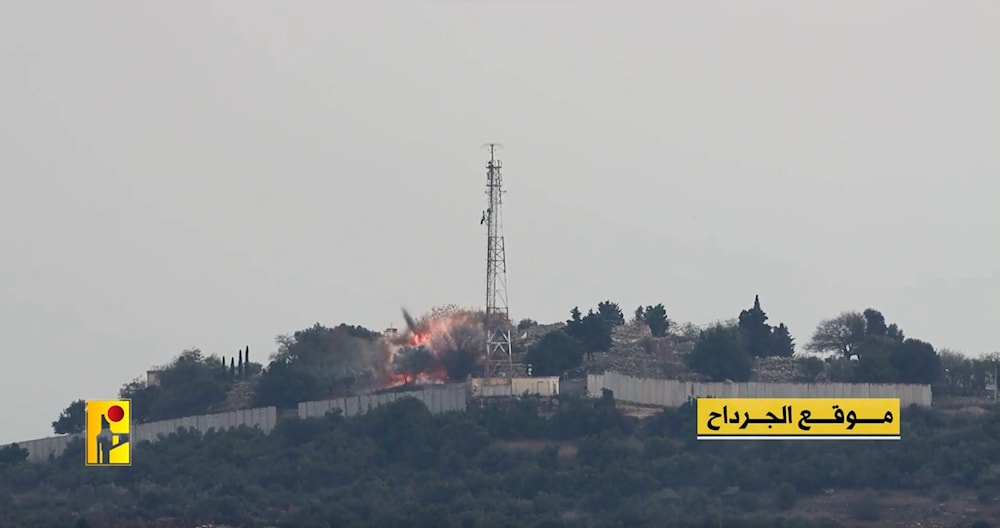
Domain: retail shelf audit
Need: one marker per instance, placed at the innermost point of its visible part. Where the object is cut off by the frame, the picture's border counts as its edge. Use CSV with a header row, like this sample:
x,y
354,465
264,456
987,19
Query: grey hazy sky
x,y
212,174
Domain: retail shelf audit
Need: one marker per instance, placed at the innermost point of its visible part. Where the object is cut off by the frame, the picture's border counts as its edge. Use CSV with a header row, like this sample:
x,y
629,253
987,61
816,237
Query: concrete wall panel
x,y
672,393
434,400
40,449
443,400
352,406
595,382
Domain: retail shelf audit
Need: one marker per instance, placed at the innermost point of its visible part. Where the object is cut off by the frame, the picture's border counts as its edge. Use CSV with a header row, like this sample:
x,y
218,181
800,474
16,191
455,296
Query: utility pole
x,y
498,361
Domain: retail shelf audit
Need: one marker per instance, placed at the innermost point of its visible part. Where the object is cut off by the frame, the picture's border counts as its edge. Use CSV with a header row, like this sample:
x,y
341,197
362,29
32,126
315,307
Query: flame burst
x,y
440,345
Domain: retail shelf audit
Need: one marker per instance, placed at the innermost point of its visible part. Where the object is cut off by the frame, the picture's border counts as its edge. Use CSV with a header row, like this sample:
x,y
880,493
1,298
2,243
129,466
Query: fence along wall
x,y
438,400
673,393
263,418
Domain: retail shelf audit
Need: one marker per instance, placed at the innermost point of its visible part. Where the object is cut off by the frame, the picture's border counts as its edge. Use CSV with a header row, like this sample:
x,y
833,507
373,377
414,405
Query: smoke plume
x,y
444,344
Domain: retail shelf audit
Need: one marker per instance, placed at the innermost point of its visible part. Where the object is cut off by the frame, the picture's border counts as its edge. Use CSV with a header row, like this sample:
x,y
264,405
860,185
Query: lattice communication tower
x,y
498,362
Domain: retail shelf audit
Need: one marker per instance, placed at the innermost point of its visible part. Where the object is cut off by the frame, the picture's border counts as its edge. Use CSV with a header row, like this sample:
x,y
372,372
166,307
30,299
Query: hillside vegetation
x,y
512,464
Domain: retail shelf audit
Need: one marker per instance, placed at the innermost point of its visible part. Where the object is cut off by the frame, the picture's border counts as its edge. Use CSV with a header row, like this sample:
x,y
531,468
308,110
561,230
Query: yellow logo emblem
x,y
109,432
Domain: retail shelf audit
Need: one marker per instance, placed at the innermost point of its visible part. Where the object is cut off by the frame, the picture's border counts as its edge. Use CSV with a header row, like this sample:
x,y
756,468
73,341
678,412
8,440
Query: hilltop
x,y
445,345
529,462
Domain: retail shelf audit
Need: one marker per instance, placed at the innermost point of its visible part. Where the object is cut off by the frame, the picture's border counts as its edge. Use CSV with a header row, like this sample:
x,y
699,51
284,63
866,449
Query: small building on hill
x,y
153,378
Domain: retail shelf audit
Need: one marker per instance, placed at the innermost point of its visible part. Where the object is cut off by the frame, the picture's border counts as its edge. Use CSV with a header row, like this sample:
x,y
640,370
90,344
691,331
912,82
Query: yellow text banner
x,y
798,418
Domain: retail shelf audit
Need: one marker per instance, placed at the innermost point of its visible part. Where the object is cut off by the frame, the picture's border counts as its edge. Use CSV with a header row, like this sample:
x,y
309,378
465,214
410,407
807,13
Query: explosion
x,y
444,344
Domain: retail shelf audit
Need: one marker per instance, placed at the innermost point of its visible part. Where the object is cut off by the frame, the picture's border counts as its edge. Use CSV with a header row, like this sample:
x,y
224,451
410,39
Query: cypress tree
x,y
756,331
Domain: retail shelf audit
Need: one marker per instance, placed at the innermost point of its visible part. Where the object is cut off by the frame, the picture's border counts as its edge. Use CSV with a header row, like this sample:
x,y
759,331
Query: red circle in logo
x,y
116,413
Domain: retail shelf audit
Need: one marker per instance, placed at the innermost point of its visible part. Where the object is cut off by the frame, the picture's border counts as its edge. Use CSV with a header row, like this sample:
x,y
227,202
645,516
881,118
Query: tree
x,y
884,354
411,361
357,331
595,333
460,354
916,361
782,343
12,454
459,363
639,315
284,384
810,368
721,354
763,340
319,362
191,384
875,363
875,326
575,322
656,318
756,331
526,324
555,353
875,323
611,312
883,359
592,330
72,420
894,332
958,374
840,334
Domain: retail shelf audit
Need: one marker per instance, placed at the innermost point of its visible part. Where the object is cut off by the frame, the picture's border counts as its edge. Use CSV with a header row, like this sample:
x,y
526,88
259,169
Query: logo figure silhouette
x,y
106,438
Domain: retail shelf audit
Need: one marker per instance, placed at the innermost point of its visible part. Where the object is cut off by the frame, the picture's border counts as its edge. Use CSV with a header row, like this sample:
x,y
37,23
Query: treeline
x,y
585,335
860,347
853,347
723,351
505,465
322,362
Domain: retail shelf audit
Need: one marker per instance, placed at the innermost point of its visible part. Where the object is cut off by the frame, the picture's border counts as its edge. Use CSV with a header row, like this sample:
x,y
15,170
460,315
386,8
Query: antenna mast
x,y
499,361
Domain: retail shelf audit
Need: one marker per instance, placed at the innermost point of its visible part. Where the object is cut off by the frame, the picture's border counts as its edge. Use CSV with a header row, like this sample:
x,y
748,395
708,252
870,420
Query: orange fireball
x,y
439,333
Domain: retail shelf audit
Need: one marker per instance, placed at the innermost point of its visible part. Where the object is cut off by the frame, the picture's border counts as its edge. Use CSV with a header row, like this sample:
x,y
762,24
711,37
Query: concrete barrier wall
x,y
263,418
546,386
595,382
673,393
490,387
437,399
40,449
496,391
540,386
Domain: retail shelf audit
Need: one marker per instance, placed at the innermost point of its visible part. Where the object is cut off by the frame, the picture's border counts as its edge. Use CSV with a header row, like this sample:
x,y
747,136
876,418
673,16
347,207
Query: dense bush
x,y
191,384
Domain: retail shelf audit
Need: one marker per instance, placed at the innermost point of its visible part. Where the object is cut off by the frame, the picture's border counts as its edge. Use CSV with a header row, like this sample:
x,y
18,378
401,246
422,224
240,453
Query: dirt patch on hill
x,y
566,449
970,409
871,508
